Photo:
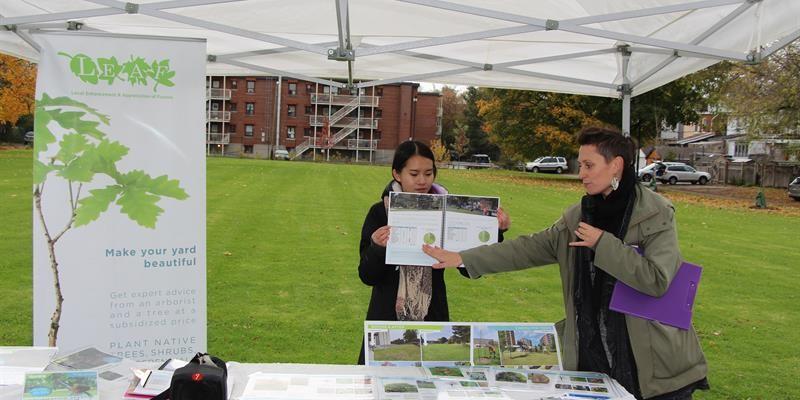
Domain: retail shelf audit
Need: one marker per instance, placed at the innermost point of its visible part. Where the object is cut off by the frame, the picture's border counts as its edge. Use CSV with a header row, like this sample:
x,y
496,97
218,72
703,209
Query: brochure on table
x,y
448,344
16,361
453,222
459,383
65,385
108,366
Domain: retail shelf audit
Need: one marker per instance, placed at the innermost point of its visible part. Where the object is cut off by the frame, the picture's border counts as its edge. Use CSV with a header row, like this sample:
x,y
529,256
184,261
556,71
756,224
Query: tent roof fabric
x,y
592,47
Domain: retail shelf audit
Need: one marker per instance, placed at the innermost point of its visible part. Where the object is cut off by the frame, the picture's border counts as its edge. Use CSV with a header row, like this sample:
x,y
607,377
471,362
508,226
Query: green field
x,y
397,352
532,358
445,352
283,254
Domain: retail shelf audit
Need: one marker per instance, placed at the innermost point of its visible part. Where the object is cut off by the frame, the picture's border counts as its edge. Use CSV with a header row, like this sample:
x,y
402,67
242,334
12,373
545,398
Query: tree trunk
x,y
52,335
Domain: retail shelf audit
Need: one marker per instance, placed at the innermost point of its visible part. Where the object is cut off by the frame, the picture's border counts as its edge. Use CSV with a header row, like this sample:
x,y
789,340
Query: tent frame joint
x,y
488,67
625,89
131,8
551,25
624,50
74,25
211,58
754,1
11,28
754,57
340,54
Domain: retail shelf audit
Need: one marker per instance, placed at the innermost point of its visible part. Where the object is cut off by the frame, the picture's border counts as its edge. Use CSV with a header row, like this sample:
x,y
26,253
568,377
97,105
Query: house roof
x,y
695,138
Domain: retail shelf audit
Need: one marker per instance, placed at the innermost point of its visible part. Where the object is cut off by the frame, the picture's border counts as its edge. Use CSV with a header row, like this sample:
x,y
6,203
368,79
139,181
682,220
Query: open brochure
x,y
16,361
464,382
452,222
453,344
65,385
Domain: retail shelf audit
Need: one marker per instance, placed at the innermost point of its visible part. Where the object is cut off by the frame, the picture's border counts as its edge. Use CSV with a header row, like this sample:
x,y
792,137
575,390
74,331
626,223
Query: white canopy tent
x,y
612,48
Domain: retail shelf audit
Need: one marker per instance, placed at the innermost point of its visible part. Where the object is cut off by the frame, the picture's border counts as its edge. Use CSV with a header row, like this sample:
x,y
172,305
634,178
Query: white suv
x,y
557,164
684,173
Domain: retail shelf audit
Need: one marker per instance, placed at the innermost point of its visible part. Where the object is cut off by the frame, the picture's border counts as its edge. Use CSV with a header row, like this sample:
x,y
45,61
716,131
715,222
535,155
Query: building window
x,y
234,83
378,91
248,130
308,132
362,91
740,150
309,110
232,129
290,132
309,88
250,109
291,110
248,149
215,84
251,86
378,113
232,106
329,89
292,89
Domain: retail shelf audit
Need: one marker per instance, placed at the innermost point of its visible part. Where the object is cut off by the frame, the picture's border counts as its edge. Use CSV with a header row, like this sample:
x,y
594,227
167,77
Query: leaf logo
x,y
136,71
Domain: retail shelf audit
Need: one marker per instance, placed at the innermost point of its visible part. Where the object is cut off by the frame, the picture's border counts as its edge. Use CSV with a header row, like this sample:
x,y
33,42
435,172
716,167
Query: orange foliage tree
x,y
17,89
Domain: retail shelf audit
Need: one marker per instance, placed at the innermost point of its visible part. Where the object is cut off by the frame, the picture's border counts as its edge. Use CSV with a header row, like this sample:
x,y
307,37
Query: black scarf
x,y
603,342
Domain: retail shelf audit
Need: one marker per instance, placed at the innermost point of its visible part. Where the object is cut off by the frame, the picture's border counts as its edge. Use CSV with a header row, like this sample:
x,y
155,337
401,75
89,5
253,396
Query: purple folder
x,y
673,308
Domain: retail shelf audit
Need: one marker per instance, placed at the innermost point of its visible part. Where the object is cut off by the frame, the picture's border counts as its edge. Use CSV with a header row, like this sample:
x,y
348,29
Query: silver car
x,y
555,164
684,173
794,189
655,169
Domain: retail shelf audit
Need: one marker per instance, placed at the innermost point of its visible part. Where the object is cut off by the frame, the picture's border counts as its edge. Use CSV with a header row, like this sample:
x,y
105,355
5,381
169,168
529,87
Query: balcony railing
x,y
366,123
218,138
362,144
218,94
340,99
219,116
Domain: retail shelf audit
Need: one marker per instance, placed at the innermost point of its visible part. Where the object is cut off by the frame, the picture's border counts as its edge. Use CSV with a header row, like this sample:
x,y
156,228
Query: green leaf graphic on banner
x,y
80,169
43,136
92,206
140,207
161,186
109,69
83,67
108,153
47,101
71,145
40,171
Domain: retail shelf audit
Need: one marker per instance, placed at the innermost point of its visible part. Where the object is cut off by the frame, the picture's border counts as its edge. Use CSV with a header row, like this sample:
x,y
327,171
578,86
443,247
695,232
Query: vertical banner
x,y
119,195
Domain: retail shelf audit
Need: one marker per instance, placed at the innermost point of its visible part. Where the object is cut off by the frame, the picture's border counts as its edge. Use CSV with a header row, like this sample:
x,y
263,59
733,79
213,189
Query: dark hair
x,y
610,143
408,149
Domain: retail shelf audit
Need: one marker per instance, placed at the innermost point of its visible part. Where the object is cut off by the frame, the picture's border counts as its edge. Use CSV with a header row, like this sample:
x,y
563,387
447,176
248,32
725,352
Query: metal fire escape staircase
x,y
334,118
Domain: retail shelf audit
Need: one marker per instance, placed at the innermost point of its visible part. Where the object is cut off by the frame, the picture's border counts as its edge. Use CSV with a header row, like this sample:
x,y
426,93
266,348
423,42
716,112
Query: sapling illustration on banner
x,y
84,155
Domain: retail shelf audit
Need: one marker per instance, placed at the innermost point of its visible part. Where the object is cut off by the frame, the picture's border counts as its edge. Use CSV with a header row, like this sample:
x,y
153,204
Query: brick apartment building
x,y
252,116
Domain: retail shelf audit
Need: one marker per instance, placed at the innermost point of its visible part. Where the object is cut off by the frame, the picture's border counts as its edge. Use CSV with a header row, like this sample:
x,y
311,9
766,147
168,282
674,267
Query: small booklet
x,y
67,385
452,222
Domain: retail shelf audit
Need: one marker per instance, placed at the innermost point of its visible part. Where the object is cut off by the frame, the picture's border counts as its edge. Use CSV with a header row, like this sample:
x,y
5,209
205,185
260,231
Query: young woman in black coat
x,y
403,292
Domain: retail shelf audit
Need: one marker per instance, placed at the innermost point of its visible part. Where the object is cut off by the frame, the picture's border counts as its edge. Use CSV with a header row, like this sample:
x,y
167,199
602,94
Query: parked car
x,y
281,154
550,163
28,138
684,173
794,189
480,159
647,173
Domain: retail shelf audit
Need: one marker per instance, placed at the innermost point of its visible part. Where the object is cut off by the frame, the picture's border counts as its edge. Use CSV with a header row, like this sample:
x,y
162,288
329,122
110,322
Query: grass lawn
x,y
525,358
445,352
484,357
283,254
397,352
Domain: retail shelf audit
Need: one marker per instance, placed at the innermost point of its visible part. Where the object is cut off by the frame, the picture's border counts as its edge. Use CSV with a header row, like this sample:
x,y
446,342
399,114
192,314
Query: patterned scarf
x,y
415,287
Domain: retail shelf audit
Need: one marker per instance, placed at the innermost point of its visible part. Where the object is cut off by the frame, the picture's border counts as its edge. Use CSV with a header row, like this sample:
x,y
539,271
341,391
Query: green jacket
x,y
667,358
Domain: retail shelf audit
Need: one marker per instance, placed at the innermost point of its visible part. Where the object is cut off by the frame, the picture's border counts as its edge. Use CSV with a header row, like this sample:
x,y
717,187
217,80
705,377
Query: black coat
x,y
385,279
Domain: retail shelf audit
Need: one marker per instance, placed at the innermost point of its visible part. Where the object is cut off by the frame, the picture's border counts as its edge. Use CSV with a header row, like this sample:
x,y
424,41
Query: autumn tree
x,y
453,106
765,97
17,90
460,144
440,153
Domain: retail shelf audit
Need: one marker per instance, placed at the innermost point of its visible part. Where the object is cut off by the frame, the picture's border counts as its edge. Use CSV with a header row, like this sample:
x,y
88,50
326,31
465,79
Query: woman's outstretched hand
x,y
588,236
447,259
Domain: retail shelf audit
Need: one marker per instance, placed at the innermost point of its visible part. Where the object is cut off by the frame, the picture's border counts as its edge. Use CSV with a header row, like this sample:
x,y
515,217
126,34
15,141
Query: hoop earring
x,y
614,183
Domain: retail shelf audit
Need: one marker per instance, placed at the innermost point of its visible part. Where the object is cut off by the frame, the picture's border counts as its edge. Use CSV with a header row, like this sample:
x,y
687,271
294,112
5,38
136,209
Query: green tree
x,y
461,334
479,142
83,153
410,336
